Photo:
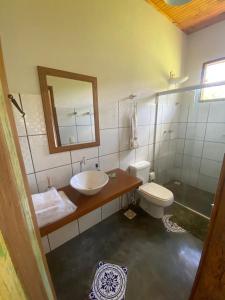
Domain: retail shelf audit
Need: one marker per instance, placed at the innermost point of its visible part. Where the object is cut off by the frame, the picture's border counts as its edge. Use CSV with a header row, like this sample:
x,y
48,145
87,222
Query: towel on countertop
x,y
51,206
47,199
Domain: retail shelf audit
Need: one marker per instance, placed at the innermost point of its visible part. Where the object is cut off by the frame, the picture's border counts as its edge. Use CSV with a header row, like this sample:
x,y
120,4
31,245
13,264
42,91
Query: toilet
x,y
154,197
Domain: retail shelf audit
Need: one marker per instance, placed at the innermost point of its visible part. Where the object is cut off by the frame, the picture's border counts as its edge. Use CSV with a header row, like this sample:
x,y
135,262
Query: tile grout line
x,y
200,165
29,146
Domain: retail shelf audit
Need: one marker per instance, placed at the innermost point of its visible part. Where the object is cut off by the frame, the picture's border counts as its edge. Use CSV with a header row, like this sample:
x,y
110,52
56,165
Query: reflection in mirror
x,y
72,104
71,109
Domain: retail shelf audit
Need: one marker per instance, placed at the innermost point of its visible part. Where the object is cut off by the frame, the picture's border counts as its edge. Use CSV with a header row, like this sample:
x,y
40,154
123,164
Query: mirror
x,y
71,109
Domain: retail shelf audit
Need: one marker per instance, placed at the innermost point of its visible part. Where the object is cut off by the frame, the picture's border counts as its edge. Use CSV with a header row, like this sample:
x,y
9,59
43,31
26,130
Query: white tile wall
x,y
89,220
108,115
193,148
196,131
32,183
88,153
21,130
126,158
142,153
215,132
63,234
214,151
84,134
90,164
68,134
151,152
65,116
199,141
110,208
143,135
207,183
217,112
181,131
76,168
125,109
143,113
109,141
59,177
124,138
26,155
180,145
210,168
41,157
32,106
112,153
198,112
109,162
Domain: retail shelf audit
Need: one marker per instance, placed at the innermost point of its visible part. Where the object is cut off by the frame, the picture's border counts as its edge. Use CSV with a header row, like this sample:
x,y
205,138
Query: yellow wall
x,y
204,45
127,44
10,287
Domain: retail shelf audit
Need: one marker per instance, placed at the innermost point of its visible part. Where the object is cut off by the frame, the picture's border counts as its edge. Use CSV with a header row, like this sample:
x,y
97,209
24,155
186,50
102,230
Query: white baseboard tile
x,y
63,235
45,244
110,208
89,220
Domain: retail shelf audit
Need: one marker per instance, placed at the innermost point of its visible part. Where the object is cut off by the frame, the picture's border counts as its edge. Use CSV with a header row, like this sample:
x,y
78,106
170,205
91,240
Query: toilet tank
x,y
140,170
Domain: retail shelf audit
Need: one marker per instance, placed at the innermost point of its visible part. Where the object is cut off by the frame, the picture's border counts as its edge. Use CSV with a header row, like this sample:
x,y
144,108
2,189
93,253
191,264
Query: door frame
x,y
21,236
20,239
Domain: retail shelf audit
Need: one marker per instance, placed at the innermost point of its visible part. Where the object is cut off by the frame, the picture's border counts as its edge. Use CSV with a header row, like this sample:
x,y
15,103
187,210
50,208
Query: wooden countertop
x,y
116,187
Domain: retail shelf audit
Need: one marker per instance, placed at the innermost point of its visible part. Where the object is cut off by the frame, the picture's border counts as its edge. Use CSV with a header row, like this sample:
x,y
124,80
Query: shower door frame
x,y
209,282
210,277
181,90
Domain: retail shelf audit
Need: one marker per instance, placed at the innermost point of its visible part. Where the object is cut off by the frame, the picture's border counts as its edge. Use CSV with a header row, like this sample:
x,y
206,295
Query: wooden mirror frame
x,y
43,72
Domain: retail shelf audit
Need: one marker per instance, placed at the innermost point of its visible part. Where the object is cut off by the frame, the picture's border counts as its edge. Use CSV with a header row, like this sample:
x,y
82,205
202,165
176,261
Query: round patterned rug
x,y
109,282
170,225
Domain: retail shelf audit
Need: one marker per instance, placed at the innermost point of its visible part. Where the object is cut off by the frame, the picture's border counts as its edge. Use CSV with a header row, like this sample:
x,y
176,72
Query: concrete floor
x,y
192,197
161,265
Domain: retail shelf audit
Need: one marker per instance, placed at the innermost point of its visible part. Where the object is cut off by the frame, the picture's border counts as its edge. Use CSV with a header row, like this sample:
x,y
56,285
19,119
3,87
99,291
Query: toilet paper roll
x,y
152,176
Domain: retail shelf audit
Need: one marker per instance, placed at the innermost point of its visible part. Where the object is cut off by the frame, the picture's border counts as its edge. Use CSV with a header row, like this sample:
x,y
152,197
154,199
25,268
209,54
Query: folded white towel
x,y
46,199
52,206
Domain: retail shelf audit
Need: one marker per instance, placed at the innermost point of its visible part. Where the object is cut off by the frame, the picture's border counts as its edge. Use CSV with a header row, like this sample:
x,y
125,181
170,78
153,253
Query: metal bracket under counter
x,y
118,185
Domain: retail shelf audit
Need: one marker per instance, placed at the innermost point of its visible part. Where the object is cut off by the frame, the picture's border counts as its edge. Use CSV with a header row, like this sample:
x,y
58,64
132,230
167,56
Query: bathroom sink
x,y
89,182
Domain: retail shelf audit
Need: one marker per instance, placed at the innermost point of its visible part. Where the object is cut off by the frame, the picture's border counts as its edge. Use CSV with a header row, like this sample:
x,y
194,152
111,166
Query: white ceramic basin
x,y
89,182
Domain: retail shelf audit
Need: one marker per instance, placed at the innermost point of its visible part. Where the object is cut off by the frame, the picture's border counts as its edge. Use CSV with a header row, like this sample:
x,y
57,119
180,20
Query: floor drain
x,y
176,182
130,214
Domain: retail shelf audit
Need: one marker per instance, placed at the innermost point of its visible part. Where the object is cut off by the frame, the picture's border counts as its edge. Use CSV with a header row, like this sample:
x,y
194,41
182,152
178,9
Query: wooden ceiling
x,y
194,15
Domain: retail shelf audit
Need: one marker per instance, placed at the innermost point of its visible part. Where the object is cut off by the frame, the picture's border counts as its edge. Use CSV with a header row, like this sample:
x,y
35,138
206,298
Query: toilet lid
x,y
156,191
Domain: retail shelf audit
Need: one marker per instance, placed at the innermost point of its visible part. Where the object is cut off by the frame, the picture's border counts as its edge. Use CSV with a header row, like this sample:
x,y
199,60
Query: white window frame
x,y
201,99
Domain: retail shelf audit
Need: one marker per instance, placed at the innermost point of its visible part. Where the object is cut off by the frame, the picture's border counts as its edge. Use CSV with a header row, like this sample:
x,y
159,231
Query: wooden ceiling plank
x,y
193,15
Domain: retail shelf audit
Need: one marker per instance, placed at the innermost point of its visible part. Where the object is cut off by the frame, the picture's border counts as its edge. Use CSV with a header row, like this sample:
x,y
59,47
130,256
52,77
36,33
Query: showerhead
x,y
177,80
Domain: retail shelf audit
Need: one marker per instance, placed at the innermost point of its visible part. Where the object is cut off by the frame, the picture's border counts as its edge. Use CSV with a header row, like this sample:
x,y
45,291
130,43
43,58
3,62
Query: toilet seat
x,y
157,194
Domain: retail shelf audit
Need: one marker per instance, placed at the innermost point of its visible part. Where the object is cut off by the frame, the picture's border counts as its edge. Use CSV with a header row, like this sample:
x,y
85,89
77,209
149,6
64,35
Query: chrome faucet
x,y
82,163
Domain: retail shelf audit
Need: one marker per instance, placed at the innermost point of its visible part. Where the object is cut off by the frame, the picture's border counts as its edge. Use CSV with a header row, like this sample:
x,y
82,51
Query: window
x,y
213,72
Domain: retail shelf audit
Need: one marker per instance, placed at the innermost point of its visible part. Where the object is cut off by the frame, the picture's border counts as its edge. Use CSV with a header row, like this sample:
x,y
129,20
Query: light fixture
x,y
177,2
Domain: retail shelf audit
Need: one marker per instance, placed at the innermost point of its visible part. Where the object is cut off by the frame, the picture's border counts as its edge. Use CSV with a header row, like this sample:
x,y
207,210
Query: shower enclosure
x,y
190,144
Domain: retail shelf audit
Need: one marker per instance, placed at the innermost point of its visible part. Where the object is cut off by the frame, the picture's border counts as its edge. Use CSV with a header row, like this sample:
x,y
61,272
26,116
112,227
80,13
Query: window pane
x,y
217,92
214,72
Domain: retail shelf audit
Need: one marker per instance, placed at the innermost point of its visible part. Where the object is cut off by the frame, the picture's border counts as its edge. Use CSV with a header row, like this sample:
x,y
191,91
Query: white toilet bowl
x,y
154,197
